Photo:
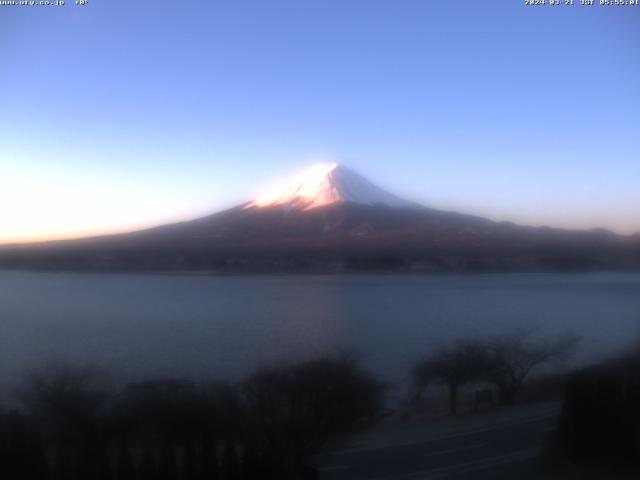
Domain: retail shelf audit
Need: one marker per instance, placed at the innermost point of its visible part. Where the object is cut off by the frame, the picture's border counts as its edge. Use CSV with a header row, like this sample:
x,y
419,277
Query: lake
x,y
223,327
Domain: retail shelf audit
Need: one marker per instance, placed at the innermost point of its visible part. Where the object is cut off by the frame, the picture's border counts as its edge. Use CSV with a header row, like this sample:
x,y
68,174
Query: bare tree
x,y
295,411
454,366
512,357
71,406
70,400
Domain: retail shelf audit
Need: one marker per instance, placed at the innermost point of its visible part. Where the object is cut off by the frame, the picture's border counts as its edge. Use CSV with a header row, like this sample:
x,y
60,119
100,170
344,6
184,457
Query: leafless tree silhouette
x,y
513,356
453,366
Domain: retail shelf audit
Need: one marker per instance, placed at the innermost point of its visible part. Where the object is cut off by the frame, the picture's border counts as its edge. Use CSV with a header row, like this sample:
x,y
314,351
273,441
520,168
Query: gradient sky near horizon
x,y
120,115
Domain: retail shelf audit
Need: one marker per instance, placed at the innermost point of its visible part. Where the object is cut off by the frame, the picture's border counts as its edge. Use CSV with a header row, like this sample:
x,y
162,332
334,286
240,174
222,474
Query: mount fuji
x,y
330,219
327,184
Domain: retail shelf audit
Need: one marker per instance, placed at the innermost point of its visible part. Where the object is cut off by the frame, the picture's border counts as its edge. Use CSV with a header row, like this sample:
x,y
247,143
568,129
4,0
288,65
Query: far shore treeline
x,y
357,259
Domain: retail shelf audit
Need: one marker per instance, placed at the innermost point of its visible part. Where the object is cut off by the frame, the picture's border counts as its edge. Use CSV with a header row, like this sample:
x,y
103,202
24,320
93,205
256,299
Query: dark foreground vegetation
x,y
72,426
77,424
600,421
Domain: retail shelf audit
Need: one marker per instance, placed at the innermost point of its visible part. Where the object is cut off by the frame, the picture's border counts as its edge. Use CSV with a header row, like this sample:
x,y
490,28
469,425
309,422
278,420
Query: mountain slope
x,y
332,219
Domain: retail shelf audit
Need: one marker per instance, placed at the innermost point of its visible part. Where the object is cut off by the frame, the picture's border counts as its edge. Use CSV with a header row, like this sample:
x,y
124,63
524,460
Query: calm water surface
x,y
223,327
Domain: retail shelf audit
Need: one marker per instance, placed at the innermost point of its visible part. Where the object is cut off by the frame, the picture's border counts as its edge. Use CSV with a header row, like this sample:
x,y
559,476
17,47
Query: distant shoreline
x,y
308,273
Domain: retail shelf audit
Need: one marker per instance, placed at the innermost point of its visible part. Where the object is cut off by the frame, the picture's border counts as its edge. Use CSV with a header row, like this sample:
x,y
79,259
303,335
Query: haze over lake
x,y
224,327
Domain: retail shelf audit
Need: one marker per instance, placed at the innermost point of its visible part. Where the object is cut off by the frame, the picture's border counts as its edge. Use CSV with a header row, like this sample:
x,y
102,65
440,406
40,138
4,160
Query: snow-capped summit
x,y
327,184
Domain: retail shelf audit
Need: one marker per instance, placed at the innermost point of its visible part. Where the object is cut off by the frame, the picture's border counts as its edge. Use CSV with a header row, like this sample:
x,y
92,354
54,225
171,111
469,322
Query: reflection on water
x,y
224,326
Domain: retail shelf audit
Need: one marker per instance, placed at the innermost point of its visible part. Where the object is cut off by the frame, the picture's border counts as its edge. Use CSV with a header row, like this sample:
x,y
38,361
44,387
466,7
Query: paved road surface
x,y
501,449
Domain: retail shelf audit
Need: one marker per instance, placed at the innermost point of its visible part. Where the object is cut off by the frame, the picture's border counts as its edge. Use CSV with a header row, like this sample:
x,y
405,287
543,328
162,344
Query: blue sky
x,y
125,114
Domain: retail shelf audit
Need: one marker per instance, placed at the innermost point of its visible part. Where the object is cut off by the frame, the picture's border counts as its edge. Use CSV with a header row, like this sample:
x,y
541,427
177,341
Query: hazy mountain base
x,y
346,260
338,238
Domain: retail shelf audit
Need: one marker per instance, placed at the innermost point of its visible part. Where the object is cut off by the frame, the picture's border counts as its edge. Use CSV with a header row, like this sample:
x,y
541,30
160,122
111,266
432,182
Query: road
x,y
502,448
